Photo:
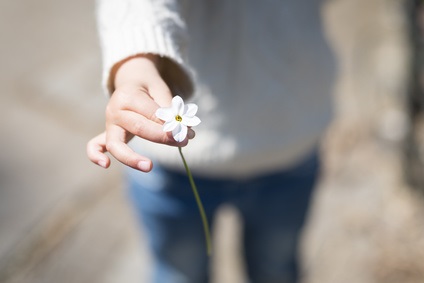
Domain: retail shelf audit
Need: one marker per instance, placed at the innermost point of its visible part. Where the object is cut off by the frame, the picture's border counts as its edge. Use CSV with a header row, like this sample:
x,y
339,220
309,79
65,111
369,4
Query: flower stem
x,y
199,204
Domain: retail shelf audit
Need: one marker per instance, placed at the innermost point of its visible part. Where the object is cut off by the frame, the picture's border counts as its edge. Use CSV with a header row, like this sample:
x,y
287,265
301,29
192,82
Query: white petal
x,y
180,132
191,121
165,114
178,105
190,109
170,125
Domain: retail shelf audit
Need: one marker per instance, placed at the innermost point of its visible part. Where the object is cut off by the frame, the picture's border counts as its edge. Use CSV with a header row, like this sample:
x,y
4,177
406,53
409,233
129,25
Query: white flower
x,y
178,117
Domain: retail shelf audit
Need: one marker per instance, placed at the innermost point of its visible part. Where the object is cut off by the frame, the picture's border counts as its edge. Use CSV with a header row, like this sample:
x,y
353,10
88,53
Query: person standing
x,y
262,74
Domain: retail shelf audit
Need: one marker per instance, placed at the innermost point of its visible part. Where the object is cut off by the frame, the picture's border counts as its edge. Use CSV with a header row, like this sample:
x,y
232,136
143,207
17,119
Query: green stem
x,y
199,204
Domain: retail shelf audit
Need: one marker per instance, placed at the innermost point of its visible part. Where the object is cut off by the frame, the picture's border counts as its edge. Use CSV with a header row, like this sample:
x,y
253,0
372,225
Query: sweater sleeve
x,y
131,27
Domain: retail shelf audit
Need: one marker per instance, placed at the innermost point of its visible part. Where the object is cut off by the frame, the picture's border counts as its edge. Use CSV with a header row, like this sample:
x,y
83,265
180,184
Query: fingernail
x,y
191,134
102,163
144,166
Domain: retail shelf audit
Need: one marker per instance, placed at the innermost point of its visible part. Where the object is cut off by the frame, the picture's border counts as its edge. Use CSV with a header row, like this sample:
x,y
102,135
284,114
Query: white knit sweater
x,y
261,70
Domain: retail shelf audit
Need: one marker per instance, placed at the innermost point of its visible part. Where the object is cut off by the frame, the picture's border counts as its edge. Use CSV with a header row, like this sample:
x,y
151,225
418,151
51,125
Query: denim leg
x,y
274,209
167,210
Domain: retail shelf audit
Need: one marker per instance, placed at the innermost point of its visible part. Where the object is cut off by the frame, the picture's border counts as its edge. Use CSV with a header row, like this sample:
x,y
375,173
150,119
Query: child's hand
x,y
139,92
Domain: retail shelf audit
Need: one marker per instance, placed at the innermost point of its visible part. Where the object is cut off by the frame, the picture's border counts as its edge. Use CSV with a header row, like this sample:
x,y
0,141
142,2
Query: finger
x,y
140,102
163,97
159,95
146,129
160,92
115,143
96,149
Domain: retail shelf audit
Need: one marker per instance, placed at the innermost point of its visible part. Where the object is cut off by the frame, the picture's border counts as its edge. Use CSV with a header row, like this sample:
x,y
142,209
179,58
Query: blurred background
x,y
63,219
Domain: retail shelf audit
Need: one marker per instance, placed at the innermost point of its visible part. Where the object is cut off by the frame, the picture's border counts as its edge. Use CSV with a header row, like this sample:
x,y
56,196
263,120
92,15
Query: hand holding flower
x,y
131,112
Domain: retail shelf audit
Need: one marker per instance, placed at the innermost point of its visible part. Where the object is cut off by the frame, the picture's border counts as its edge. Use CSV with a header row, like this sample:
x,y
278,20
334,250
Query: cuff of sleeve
x,y
120,44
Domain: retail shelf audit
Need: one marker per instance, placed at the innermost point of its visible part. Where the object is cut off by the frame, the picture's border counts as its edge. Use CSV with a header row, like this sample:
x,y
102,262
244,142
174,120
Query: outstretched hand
x,y
139,92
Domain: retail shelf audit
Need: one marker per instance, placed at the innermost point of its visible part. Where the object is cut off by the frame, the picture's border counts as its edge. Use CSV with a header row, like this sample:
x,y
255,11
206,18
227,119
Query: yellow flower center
x,y
178,118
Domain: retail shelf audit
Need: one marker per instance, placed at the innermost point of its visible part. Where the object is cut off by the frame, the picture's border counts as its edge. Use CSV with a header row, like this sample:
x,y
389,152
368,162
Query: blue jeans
x,y
273,208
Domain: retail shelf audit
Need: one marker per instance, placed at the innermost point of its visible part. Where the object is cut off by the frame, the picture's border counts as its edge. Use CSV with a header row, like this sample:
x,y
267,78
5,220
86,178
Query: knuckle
x,y
123,99
109,111
111,146
119,100
139,127
152,117
112,109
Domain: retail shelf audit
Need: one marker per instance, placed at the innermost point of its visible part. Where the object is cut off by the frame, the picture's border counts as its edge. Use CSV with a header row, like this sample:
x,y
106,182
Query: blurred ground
x,y
65,220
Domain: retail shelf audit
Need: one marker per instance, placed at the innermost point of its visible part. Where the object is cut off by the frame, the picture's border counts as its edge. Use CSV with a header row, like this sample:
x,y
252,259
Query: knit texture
x,y
263,83
130,27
